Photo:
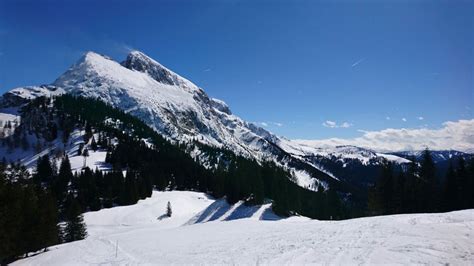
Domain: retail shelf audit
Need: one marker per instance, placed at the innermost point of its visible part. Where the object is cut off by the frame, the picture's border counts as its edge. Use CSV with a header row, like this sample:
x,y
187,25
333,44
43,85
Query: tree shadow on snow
x,y
269,215
243,211
219,208
213,212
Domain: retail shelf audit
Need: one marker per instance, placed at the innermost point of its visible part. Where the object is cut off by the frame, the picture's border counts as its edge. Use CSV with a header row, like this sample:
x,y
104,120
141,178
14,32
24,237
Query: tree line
x,y
32,215
418,189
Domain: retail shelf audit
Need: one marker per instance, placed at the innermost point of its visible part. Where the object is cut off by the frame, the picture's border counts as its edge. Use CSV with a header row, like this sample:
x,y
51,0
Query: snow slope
x,y
137,235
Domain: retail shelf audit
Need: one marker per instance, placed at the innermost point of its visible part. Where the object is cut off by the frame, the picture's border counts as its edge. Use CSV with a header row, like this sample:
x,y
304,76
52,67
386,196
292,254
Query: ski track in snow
x,y
193,236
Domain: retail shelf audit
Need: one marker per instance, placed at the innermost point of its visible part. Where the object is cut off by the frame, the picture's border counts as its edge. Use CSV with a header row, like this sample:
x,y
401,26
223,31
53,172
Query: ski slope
x,y
203,230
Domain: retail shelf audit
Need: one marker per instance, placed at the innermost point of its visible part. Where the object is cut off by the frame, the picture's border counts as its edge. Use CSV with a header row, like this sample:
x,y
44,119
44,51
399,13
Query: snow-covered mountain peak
x,y
167,102
88,68
139,61
91,59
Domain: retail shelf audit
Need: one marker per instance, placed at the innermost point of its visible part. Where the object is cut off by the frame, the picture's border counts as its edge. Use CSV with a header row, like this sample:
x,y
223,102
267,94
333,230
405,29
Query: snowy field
x,y
207,231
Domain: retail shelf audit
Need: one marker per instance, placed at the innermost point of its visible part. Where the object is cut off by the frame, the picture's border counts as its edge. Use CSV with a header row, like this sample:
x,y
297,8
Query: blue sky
x,y
307,69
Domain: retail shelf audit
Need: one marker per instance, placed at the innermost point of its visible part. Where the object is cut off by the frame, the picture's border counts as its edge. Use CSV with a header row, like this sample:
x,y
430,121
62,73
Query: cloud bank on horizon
x,y
453,135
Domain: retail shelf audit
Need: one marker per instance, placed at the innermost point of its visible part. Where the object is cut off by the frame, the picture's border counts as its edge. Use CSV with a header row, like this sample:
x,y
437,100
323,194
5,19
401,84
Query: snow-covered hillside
x,y
141,234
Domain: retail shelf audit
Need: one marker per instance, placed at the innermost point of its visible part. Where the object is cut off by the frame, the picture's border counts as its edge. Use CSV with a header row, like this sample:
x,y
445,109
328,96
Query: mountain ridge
x,y
181,111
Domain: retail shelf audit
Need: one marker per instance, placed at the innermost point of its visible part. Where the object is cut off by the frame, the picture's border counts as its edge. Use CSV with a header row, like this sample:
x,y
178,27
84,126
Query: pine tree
x,y
399,193
462,182
429,188
10,221
88,132
48,220
471,182
44,171
66,135
93,144
129,190
75,228
387,188
53,131
411,190
169,212
29,240
60,186
381,196
450,190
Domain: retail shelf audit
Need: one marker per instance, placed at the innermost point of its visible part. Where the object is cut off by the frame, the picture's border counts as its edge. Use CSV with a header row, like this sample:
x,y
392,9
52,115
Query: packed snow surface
x,y
207,231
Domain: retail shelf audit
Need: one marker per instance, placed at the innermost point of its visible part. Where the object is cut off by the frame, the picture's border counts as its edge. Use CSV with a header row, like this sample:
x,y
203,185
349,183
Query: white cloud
x,y
207,70
345,125
457,135
278,124
404,119
421,118
332,124
358,62
268,123
120,46
387,118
